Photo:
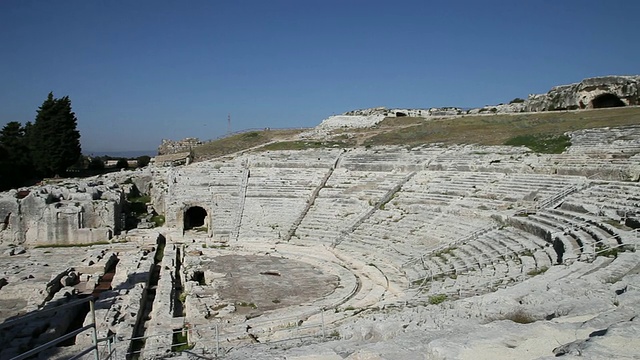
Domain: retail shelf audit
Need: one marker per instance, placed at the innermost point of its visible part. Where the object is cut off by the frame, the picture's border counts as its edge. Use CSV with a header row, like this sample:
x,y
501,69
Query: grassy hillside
x,y
497,129
240,142
540,131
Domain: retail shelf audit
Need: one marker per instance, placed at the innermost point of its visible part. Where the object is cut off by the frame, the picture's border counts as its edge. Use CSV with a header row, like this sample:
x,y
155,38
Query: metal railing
x,y
215,341
54,342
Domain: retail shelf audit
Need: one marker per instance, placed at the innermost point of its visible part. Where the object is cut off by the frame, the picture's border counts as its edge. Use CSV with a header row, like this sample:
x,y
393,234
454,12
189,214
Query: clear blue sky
x,y
139,71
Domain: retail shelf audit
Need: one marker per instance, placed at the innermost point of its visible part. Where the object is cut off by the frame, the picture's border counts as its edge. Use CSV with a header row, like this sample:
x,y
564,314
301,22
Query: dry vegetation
x,y
467,129
498,129
243,141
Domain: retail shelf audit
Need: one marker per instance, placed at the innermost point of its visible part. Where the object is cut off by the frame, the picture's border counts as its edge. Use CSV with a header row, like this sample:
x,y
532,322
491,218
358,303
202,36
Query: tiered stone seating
x,y
316,158
600,141
552,232
274,199
386,159
496,257
533,187
347,196
474,158
613,199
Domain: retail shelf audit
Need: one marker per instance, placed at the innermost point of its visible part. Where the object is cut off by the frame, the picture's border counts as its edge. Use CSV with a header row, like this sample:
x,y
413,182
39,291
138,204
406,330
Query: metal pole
x,y
95,330
115,346
217,341
322,319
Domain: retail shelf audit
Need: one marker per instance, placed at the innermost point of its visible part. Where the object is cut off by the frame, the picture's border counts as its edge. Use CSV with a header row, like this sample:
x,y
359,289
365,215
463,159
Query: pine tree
x,y
15,163
53,137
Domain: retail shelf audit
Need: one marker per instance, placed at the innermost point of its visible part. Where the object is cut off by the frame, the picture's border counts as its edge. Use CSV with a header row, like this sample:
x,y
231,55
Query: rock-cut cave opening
x,y
606,101
194,217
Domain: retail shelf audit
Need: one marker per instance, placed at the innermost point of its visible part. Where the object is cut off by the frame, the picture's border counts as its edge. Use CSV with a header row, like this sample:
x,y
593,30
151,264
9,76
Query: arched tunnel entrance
x,y
194,217
606,101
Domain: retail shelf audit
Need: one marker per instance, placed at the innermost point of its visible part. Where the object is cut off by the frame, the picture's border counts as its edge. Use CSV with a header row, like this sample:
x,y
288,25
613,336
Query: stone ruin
x,y
177,146
443,252
61,213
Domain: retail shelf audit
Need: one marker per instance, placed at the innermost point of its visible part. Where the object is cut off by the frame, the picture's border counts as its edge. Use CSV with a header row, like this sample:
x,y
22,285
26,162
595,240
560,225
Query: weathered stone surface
x,y
606,91
67,212
172,147
434,252
590,93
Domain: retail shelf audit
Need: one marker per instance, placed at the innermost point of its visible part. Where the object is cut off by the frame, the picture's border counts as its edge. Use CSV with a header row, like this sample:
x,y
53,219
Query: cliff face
x,y
591,93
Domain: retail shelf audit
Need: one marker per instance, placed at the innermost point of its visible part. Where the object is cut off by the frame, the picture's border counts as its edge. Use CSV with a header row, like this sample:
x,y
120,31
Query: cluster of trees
x,y
49,147
99,163
44,148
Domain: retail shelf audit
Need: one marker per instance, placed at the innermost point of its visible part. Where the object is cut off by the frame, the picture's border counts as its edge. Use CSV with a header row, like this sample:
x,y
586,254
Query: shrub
x,y
143,160
158,220
96,164
516,101
182,297
122,164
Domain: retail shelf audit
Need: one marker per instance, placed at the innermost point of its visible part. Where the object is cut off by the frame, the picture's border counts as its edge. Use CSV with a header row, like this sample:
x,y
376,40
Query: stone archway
x,y
195,217
606,100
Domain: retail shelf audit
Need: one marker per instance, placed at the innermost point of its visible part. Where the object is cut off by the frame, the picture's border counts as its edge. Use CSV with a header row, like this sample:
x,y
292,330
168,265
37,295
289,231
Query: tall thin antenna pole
x,y
229,124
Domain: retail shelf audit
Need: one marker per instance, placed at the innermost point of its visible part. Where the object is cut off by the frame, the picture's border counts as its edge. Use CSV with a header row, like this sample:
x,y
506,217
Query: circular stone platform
x,y
260,283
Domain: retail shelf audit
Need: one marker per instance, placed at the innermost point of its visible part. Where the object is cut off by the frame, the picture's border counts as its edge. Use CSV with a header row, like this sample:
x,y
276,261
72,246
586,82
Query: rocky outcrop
x,y
591,93
172,147
442,111
74,212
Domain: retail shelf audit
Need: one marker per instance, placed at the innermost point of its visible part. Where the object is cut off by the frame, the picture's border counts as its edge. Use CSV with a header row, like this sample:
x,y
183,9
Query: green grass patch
x,y
180,341
303,145
246,304
615,223
437,299
545,144
610,252
539,271
239,142
203,229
